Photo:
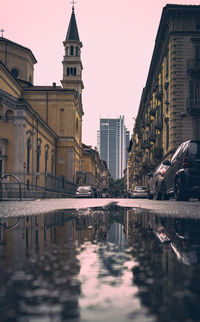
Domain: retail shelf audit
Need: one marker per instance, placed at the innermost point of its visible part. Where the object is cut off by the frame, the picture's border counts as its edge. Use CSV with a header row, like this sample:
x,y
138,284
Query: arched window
x,y
74,71
15,73
71,50
77,51
9,114
68,71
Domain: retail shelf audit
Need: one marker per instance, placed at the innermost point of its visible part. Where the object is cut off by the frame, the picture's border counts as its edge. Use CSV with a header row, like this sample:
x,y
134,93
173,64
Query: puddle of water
x,y
110,264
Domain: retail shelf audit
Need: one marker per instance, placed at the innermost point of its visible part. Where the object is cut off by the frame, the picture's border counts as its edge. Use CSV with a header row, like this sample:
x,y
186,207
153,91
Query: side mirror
x,y
167,162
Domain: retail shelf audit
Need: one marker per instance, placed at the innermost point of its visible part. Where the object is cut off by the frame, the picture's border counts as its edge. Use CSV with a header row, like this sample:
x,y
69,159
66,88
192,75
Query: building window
x,y
71,71
1,166
9,115
198,23
77,51
71,50
167,132
77,126
46,157
15,73
197,129
194,94
28,155
197,53
61,120
39,142
167,65
52,162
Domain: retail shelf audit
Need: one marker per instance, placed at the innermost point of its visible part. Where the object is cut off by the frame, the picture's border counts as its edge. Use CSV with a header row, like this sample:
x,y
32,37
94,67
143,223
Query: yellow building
x,y
94,170
41,126
169,111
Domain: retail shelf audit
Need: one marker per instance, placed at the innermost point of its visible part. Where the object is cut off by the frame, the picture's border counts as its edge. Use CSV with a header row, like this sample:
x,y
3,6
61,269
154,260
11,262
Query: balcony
x,y
146,145
159,93
193,106
152,135
193,68
147,123
158,124
152,112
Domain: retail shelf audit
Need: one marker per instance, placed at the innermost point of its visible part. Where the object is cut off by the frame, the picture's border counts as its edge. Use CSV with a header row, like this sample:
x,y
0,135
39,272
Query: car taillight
x,y
186,163
162,172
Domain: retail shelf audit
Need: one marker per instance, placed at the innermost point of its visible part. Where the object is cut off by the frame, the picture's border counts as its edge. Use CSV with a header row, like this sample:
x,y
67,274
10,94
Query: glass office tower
x,y
112,141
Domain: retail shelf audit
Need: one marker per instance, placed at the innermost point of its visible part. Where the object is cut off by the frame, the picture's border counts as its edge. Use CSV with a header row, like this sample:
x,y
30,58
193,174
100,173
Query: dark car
x,y
182,178
155,180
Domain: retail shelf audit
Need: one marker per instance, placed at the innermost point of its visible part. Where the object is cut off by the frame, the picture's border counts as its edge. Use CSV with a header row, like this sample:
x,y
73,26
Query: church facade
x,y
41,126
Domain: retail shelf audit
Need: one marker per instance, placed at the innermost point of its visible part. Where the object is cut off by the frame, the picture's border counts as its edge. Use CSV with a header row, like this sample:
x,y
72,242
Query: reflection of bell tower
x,y
72,65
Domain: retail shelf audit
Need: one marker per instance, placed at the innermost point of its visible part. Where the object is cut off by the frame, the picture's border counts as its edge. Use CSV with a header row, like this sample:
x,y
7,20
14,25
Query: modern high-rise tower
x,y
112,142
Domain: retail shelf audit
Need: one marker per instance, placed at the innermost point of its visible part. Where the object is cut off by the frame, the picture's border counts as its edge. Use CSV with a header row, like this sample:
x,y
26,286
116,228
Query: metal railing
x,y
5,176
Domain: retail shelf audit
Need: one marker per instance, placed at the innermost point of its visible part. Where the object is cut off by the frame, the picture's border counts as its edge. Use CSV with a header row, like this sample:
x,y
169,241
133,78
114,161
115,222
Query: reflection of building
x,y
113,139
116,235
169,111
41,126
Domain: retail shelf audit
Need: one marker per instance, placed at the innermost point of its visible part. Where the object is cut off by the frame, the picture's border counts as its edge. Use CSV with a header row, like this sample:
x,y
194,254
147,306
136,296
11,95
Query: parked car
x,y
140,192
105,193
155,180
84,192
182,178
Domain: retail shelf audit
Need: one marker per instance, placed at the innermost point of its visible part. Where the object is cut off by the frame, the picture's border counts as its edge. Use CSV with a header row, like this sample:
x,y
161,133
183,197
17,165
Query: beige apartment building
x,y
41,126
94,170
169,110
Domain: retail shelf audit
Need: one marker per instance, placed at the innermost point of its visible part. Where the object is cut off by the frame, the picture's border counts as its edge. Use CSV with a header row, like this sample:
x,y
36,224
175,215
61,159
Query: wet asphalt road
x,y
172,208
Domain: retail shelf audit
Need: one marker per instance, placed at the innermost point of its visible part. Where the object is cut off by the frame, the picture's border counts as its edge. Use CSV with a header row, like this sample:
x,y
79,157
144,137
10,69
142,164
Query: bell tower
x,y
72,65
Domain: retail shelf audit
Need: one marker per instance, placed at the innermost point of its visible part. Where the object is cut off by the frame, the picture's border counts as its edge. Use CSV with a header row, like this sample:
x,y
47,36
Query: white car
x,y
140,192
84,192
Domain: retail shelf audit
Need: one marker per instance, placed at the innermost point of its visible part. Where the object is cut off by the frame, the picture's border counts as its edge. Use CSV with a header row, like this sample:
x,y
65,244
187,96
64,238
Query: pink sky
x,y
118,40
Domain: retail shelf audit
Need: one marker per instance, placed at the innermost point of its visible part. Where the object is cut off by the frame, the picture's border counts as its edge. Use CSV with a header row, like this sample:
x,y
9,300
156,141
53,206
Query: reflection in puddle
x,y
110,264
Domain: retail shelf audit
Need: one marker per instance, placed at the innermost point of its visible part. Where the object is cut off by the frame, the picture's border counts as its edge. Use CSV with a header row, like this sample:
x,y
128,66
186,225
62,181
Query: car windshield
x,y
140,188
84,189
194,148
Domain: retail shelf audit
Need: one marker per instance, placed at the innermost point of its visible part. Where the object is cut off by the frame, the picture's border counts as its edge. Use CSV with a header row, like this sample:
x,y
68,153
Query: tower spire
x,y
72,32
72,65
73,3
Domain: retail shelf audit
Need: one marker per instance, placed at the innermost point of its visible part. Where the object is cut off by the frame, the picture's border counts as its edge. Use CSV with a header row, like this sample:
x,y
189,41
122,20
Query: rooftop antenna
x,y
2,31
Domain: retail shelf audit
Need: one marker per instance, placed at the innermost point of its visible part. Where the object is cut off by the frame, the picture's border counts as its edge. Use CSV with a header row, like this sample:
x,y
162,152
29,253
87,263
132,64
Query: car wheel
x,y
164,196
179,192
158,193
149,196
